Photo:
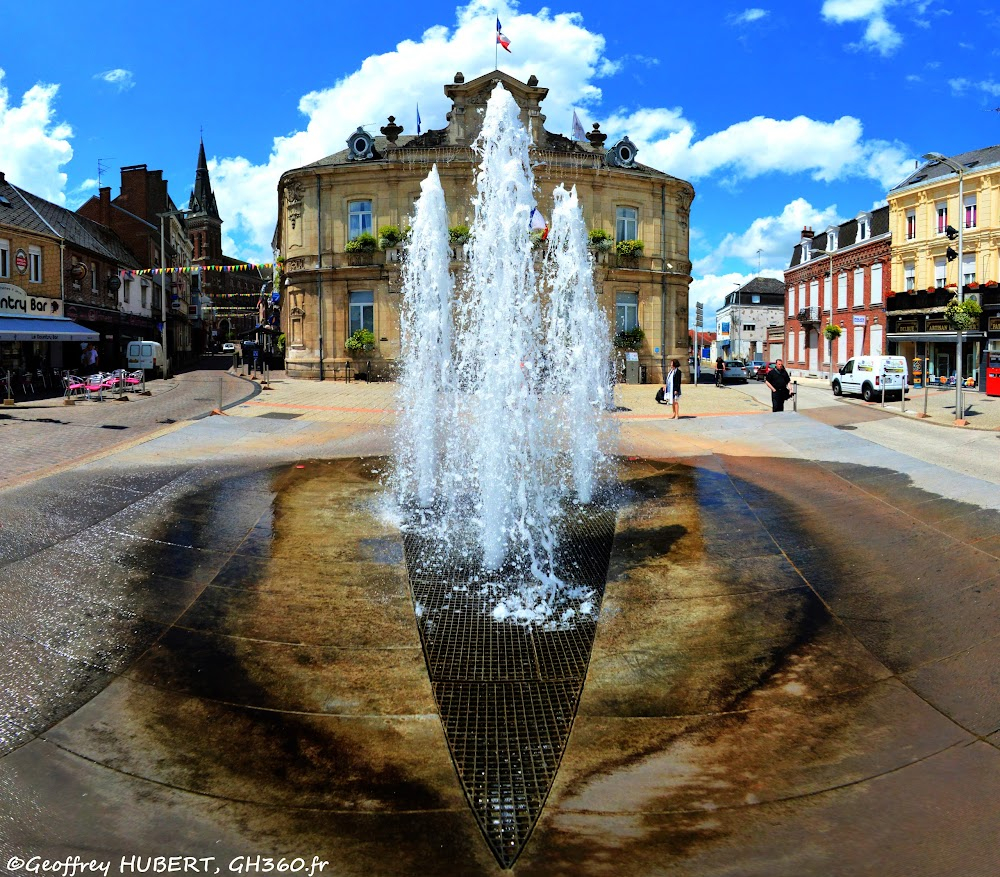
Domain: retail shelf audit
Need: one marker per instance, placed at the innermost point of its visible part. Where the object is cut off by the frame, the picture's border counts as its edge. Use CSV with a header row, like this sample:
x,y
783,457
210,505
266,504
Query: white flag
x,y
578,132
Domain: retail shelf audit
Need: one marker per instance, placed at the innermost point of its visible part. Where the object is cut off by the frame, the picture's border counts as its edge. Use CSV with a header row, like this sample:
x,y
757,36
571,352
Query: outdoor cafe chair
x,y
136,380
94,384
74,387
114,382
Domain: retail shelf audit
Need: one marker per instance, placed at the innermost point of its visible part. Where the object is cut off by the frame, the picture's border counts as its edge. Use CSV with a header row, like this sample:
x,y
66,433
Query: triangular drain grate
x,y
507,694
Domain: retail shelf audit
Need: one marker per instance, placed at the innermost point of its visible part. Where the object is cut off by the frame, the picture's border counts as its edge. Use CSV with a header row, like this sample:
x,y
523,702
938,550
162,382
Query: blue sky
x,y
780,114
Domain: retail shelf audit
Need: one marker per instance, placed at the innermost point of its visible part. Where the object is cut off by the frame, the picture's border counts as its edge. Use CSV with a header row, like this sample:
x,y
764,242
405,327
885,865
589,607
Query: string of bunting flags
x,y
196,269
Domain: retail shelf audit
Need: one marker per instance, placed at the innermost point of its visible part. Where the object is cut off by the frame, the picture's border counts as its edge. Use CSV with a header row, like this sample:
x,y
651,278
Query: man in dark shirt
x,y
720,371
777,381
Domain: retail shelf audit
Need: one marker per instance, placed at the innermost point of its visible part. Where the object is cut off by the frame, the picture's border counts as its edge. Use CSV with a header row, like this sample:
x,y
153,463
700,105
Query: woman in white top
x,y
672,388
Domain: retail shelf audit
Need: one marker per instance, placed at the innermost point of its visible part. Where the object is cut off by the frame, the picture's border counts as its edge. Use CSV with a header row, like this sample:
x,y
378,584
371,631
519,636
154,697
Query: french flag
x,y
537,223
501,39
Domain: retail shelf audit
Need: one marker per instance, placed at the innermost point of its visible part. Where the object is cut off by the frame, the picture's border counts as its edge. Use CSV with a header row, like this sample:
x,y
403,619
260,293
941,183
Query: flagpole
x,y
496,47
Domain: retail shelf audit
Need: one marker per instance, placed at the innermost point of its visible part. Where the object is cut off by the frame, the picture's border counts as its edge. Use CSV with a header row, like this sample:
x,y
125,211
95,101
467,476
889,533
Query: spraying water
x,y
504,379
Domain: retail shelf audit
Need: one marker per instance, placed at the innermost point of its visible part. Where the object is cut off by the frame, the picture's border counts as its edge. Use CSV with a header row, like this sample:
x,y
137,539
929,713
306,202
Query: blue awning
x,y
44,329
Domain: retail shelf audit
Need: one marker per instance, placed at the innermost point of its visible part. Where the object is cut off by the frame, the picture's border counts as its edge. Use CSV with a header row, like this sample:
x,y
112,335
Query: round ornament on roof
x,y
360,146
622,154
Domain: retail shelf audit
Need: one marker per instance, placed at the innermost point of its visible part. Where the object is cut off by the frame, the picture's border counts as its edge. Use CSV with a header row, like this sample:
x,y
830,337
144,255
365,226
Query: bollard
x,y
795,396
926,385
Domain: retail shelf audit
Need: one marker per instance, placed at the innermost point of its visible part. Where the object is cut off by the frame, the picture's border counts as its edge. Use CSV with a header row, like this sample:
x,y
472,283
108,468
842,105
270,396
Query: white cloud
x,y
879,35
773,236
960,86
747,16
33,146
564,55
120,79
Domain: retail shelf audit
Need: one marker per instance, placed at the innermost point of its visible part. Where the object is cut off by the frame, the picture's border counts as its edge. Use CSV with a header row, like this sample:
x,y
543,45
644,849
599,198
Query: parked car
x,y
870,376
229,347
753,366
735,371
763,370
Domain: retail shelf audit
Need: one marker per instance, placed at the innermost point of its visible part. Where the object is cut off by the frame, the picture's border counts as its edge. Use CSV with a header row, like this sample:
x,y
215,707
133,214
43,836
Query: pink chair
x,y
136,380
94,384
73,387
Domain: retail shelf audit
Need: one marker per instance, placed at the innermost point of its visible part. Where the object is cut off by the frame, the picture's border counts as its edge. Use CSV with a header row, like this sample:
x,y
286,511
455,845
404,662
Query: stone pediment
x,y
469,105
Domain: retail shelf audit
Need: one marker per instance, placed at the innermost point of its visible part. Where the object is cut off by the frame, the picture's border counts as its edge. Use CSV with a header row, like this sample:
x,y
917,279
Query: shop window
x,y
626,311
626,224
4,258
359,218
34,264
362,311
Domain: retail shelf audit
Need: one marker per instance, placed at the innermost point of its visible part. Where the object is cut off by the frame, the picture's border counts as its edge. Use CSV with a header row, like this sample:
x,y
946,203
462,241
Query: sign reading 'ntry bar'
x,y
14,300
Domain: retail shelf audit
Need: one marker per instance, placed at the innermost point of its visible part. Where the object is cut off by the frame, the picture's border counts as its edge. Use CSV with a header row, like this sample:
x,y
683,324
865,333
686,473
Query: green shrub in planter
x,y
630,339
458,235
360,341
629,248
389,236
363,243
600,240
963,314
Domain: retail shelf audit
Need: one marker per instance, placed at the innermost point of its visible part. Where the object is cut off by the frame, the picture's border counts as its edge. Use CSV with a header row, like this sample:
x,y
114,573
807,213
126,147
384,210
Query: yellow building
x,y
328,291
925,215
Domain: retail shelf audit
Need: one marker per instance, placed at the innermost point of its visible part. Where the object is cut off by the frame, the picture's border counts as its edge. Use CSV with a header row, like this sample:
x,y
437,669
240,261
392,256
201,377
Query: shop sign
x,y
939,326
993,325
906,327
14,300
78,271
21,261
860,320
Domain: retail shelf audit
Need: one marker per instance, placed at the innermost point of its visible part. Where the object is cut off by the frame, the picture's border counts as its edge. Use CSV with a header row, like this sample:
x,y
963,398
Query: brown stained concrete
x,y
763,697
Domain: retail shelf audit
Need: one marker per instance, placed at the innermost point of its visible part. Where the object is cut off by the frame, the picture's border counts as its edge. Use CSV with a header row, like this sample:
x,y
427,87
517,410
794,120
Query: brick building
x,y
839,277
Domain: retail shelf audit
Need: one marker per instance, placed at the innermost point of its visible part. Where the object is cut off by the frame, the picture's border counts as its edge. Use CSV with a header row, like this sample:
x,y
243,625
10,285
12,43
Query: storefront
x,y
34,335
938,342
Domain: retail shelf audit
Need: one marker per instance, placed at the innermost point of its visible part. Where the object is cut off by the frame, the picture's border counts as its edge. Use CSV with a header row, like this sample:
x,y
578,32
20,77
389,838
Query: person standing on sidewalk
x,y
778,381
720,371
672,388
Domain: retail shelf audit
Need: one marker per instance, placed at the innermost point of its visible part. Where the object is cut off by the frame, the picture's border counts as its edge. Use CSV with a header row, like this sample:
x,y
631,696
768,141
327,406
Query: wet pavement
x,y
206,651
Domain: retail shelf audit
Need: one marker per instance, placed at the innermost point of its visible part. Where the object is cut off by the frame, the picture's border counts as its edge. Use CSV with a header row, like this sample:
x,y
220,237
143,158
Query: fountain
x,y
501,479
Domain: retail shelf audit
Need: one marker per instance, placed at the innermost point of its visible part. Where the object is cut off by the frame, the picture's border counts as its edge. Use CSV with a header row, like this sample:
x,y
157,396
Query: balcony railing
x,y
809,314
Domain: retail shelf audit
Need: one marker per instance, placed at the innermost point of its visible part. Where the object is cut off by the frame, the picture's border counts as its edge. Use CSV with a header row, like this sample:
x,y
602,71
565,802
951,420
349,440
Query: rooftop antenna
x,y
758,262
101,168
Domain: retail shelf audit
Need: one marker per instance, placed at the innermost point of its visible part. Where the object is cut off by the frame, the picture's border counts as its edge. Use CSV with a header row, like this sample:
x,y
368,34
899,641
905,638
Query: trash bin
x,y
632,369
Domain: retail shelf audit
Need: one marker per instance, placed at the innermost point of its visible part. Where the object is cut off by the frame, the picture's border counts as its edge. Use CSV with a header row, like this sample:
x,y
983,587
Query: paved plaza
x,y
210,650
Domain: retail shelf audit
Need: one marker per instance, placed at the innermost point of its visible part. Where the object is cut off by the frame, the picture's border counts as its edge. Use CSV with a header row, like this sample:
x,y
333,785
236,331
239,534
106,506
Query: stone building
x,y
742,322
327,291
841,278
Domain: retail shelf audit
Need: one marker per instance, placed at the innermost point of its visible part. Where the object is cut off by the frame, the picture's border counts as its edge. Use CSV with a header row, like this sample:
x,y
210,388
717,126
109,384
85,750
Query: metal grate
x,y
507,693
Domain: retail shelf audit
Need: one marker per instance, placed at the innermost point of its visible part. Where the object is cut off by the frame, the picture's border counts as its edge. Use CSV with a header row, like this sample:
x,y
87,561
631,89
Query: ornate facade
x,y
328,291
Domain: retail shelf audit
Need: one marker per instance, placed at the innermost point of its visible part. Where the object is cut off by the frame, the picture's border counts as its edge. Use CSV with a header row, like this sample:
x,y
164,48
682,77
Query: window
x,y
4,258
127,290
359,218
942,217
859,287
813,296
626,224
876,283
34,264
93,277
909,276
911,224
970,211
749,327
968,268
362,311
145,293
862,227
791,301
755,299
831,239
940,271
806,251
626,311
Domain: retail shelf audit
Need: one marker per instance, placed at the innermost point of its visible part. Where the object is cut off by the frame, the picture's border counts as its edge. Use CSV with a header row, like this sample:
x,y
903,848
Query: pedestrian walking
x,y
778,381
672,388
720,371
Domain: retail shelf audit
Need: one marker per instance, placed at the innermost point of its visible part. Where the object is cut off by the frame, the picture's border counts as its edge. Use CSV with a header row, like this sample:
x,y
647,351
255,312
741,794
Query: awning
x,y
44,329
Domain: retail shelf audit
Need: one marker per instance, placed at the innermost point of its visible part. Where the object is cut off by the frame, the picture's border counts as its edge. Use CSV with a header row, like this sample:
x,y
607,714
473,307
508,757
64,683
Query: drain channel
x,y
507,694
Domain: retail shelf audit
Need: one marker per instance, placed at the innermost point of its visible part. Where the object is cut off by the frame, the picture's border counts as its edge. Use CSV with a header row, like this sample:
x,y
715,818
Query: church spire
x,y
202,198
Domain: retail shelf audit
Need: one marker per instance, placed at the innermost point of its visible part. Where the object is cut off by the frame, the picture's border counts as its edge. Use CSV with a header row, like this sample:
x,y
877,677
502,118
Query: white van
x,y
147,355
869,376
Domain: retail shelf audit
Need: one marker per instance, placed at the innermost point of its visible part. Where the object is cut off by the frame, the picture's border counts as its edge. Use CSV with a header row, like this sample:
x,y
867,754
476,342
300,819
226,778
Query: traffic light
x,y
951,254
951,232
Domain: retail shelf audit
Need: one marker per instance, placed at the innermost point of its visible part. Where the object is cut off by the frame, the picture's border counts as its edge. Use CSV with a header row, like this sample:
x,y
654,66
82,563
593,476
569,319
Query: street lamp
x,y
960,170
830,340
163,281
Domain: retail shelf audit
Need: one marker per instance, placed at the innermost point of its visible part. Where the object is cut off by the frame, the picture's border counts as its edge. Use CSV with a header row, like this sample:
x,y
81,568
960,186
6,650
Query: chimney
x,y
3,179
807,233
105,206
